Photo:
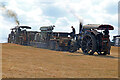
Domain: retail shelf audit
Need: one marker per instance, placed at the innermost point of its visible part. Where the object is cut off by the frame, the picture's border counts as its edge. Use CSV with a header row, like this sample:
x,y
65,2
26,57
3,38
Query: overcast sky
x,y
62,14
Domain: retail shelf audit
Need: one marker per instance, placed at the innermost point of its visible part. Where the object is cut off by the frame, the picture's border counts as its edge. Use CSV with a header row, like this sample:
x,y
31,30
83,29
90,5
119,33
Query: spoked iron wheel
x,y
73,47
57,47
52,45
88,44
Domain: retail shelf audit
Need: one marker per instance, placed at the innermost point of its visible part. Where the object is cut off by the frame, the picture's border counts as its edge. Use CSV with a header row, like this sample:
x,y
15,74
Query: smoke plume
x,y
9,13
77,16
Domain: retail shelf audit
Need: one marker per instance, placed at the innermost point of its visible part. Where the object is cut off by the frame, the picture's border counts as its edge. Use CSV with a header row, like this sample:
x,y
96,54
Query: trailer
x,y
48,39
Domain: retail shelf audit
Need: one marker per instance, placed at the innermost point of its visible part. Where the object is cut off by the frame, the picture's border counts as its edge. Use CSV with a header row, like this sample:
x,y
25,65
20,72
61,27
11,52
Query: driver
x,y
73,32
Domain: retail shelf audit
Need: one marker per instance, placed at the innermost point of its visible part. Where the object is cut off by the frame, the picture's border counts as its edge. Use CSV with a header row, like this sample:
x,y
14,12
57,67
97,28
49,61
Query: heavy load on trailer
x,y
41,39
90,40
60,41
51,40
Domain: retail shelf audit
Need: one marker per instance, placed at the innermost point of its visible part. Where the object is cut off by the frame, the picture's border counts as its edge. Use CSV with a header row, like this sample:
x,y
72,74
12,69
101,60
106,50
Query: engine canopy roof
x,y
98,26
26,27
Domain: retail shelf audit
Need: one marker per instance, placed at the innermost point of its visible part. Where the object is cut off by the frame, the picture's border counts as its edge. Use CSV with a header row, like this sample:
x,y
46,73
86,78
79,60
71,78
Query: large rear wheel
x,y
88,44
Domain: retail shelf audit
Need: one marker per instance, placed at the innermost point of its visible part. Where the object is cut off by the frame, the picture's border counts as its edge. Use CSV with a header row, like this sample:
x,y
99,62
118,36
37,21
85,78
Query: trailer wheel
x,y
57,47
88,44
73,47
52,45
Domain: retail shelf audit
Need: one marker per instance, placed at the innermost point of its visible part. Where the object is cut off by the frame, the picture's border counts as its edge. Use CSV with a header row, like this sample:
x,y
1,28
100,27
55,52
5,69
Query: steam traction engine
x,y
92,38
19,35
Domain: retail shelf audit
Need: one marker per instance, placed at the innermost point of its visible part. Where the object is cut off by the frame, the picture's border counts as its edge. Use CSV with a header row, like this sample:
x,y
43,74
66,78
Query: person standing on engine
x,y
73,32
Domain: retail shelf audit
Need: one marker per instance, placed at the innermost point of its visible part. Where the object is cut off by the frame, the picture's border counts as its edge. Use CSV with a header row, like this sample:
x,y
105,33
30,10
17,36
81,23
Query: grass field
x,y
29,62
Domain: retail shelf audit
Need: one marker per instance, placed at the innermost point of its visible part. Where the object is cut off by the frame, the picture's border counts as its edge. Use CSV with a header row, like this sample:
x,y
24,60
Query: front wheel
x,y
88,44
102,53
107,49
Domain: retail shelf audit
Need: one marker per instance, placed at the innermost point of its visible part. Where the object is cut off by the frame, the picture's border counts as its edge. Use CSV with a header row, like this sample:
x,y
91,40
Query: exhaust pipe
x,y
80,27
